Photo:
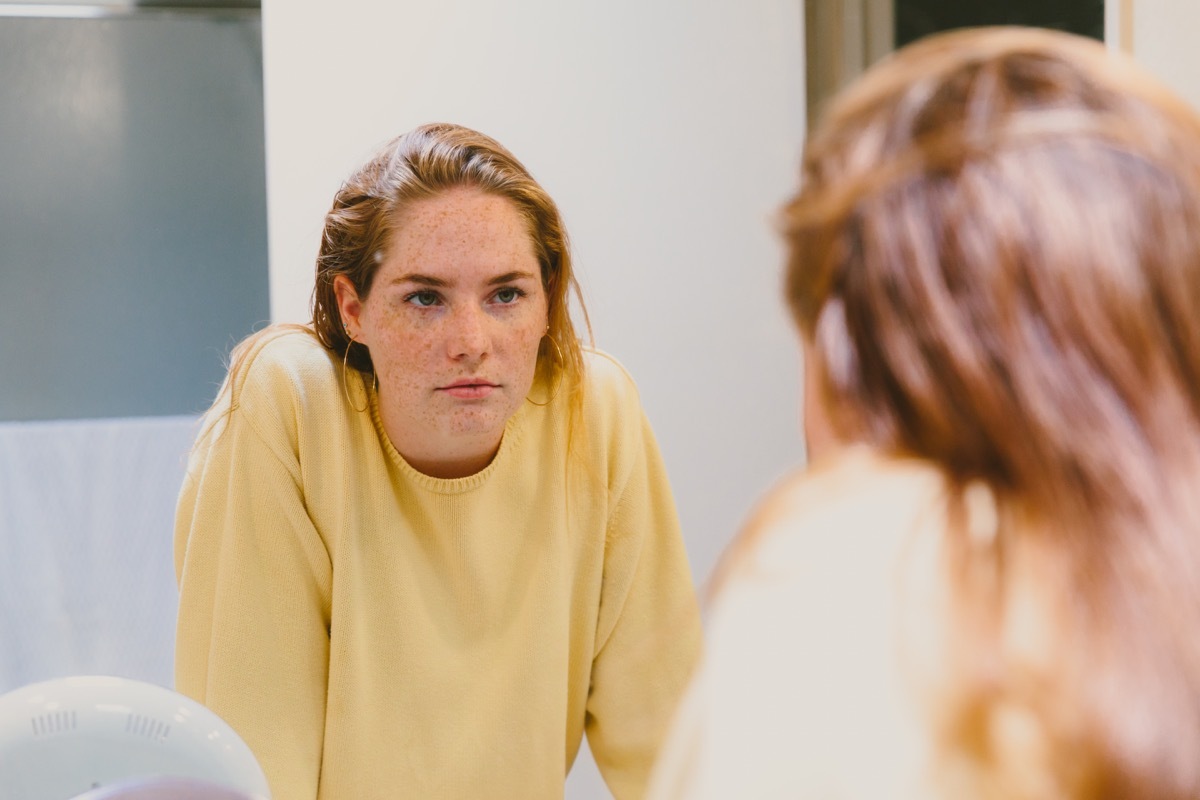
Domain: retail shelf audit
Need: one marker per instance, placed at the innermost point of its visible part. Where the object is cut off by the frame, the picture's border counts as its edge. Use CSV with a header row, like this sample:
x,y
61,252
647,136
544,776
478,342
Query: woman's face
x,y
453,321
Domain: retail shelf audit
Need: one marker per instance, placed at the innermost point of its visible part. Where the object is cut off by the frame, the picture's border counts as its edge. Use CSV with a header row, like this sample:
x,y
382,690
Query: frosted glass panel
x,y
132,211
87,581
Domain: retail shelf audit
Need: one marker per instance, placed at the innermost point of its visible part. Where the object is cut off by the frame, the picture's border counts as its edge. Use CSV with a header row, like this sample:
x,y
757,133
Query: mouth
x,y
469,388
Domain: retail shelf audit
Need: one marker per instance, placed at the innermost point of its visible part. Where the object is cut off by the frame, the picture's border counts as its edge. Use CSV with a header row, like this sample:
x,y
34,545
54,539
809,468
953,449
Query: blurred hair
x,y
420,165
994,256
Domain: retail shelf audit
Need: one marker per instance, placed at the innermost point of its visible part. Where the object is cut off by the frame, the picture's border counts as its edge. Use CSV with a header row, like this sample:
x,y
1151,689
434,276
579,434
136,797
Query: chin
x,y
478,422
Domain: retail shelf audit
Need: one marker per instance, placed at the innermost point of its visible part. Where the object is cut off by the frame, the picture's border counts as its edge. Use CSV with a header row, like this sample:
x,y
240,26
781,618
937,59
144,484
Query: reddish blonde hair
x,y
359,227
995,257
421,164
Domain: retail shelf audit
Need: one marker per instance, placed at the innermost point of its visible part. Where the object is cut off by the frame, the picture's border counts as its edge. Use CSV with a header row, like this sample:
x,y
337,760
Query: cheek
x,y
531,338
402,350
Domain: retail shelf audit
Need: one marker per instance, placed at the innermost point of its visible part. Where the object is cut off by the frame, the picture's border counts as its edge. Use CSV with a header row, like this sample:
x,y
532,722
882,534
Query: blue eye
x,y
508,295
422,299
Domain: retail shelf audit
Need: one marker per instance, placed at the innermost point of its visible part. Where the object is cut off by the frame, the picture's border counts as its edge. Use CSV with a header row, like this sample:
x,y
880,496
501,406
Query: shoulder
x,y
287,354
274,375
818,528
856,490
605,375
802,648
612,407
846,528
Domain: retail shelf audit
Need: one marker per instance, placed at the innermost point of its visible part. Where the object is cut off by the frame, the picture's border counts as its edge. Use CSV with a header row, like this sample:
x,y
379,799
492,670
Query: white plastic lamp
x,y
66,737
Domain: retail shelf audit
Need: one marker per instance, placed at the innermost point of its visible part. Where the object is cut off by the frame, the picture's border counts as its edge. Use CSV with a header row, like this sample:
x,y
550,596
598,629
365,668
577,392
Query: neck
x,y
439,456
450,467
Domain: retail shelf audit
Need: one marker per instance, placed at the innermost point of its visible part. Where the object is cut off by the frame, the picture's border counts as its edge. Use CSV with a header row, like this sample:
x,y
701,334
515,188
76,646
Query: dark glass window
x,y
917,18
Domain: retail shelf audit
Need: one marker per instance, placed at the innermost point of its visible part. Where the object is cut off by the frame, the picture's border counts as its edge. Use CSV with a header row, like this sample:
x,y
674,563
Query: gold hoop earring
x,y
561,360
346,383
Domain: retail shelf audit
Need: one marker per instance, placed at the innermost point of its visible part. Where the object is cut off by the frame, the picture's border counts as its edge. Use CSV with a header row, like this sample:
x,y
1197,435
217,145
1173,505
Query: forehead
x,y
461,225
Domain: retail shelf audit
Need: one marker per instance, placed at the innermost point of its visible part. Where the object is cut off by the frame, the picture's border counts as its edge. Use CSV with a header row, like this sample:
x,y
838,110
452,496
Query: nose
x,y
468,339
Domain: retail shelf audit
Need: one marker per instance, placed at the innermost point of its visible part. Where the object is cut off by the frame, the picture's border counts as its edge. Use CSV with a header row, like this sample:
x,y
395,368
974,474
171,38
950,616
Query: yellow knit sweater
x,y
373,632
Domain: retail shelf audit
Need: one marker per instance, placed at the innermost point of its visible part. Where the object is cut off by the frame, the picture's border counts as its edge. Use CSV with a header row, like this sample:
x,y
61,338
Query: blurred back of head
x,y
994,259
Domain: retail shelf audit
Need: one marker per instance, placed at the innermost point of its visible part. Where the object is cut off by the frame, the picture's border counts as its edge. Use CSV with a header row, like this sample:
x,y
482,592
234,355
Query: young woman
x,y
427,541
988,583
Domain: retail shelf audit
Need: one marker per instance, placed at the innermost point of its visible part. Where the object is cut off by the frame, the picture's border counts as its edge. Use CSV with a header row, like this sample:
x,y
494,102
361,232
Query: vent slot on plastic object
x,y
147,727
53,723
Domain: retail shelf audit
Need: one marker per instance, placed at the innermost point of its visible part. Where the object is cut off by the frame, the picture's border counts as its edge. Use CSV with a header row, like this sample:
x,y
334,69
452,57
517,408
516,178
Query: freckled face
x,y
453,321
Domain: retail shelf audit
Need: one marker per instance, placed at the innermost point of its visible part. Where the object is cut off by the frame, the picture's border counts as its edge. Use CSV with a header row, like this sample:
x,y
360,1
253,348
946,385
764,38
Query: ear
x,y
349,306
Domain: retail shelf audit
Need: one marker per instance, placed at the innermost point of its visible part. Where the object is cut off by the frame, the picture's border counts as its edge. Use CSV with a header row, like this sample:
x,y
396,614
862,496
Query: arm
x,y
648,636
252,641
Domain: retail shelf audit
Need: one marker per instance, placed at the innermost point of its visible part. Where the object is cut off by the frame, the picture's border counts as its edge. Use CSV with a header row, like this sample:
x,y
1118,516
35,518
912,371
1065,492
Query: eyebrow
x,y
429,280
509,277
424,280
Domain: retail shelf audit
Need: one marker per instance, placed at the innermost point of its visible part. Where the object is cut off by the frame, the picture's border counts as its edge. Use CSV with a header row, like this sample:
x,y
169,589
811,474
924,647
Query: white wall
x,y
667,130
1163,38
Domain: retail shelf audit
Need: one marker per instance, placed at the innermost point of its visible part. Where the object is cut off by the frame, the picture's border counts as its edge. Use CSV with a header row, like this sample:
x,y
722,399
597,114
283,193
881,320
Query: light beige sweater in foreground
x,y
801,693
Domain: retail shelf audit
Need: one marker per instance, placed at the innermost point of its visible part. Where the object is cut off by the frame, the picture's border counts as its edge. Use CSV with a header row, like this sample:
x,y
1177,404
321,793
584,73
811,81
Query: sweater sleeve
x,y
648,636
252,641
